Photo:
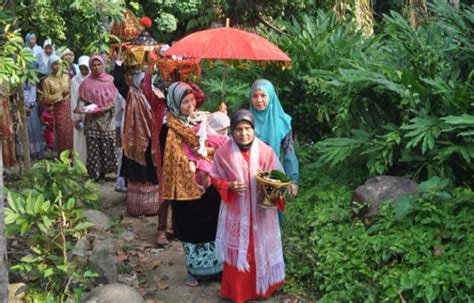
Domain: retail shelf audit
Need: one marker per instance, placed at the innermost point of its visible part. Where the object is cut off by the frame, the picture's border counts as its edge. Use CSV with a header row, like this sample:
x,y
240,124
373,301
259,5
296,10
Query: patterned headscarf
x,y
272,124
176,93
52,59
28,37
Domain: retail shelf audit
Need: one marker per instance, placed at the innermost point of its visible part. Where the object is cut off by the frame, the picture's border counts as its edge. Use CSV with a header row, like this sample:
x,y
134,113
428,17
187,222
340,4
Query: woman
x,y
78,119
138,157
248,237
56,91
194,213
30,42
273,126
68,57
99,125
35,134
43,57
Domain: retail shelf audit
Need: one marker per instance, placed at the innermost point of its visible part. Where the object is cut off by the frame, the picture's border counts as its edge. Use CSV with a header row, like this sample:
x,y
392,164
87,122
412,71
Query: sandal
x,y
162,240
191,281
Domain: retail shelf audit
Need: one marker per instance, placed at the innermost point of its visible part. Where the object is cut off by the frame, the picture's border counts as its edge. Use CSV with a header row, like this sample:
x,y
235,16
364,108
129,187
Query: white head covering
x,y
67,51
218,121
84,60
46,57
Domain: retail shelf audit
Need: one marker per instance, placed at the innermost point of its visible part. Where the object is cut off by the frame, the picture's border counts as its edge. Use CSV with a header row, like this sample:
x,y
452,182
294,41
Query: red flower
x,y
145,21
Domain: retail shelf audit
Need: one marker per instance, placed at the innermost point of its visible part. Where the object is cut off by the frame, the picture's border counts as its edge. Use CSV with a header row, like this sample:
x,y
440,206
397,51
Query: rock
x,y
104,264
16,292
98,218
106,245
81,248
379,189
114,293
127,235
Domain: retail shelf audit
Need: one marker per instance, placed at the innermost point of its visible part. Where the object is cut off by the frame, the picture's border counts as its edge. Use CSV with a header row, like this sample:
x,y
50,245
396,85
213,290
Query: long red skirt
x,y
63,125
241,286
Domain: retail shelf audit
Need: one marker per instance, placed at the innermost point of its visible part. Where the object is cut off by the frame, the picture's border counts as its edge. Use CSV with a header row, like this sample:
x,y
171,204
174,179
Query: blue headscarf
x,y
52,59
27,38
272,124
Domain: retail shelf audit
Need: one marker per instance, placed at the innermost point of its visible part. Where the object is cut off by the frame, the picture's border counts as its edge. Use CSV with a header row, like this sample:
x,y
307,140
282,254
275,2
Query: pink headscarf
x,y
98,89
233,230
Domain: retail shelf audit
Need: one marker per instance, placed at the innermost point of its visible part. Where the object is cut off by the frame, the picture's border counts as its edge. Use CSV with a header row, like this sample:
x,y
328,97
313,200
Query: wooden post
x,y
3,243
23,129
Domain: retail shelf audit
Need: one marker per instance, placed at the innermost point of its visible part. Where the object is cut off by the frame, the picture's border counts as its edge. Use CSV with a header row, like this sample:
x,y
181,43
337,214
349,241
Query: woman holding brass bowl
x,y
248,236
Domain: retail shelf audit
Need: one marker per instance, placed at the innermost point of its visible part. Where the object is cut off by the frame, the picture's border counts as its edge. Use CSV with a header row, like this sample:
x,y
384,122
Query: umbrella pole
x,y
223,81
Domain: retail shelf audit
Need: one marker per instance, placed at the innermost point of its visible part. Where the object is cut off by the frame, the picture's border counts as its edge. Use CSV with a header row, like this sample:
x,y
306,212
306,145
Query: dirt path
x,y
157,273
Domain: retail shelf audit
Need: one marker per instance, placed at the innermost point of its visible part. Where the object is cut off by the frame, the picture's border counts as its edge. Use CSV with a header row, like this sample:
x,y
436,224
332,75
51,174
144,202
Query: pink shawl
x,y
100,89
232,237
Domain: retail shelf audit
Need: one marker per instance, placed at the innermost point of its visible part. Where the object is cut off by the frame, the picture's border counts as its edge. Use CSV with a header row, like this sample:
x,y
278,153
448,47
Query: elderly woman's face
x,y
97,67
188,105
69,57
260,99
48,50
243,133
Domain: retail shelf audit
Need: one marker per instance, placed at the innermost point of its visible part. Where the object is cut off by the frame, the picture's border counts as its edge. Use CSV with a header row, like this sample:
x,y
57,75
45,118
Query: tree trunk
x,y
23,129
3,244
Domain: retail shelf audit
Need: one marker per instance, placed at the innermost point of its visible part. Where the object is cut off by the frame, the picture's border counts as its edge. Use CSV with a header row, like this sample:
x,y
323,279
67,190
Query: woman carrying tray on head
x,y
248,237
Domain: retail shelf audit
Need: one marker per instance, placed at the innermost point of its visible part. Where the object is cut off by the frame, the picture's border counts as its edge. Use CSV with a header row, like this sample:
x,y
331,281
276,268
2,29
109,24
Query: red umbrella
x,y
227,43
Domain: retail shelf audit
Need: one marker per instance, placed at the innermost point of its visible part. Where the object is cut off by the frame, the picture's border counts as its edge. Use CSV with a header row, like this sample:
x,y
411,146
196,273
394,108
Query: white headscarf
x,y
46,57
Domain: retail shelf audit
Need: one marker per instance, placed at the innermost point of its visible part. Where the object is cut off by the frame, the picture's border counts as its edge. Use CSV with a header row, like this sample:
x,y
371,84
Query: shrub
x,y
421,249
46,210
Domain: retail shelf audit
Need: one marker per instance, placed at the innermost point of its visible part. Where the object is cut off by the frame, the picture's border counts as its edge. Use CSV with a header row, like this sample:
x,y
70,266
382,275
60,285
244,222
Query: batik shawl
x,y
137,126
178,180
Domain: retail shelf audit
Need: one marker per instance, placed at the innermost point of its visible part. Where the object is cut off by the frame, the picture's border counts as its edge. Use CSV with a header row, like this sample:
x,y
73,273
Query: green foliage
x,y
420,250
14,58
67,175
79,24
402,98
46,208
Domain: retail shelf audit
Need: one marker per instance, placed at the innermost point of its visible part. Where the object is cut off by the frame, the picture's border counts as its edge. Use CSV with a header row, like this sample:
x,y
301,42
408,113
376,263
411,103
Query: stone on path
x,y
127,236
379,189
81,248
98,218
16,292
103,263
114,293
106,245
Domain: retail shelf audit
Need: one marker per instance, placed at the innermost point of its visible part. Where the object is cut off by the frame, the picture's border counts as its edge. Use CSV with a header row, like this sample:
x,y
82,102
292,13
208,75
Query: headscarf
x,y
237,117
137,79
271,124
83,60
67,51
98,89
218,121
52,59
176,93
28,37
46,57
238,218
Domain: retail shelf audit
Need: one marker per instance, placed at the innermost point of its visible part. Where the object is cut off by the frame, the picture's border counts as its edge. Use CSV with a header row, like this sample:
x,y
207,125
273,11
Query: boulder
x,y
379,189
114,293
103,263
98,218
81,248
106,245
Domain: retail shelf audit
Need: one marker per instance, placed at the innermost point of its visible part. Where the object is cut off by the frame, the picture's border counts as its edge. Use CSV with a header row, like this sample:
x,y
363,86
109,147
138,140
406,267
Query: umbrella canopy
x,y
227,43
